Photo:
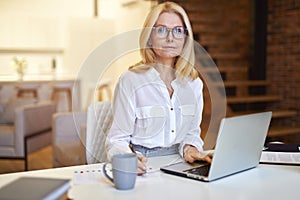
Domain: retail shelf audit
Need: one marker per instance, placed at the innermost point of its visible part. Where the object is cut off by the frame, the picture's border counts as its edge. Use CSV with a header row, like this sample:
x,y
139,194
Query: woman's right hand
x,y
142,160
191,154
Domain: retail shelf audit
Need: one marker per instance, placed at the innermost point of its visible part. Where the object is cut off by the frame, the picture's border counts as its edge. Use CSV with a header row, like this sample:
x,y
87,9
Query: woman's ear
x,y
149,43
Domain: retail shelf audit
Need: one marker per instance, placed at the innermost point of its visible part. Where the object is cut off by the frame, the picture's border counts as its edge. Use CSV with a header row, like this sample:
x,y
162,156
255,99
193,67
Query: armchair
x,y
30,131
99,120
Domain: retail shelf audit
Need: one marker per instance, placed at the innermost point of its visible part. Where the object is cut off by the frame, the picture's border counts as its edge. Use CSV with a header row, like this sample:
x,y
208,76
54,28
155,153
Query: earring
x,y
150,43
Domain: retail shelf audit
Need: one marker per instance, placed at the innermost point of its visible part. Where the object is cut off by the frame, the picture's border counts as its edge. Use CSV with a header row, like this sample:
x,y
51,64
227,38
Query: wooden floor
x,y
41,159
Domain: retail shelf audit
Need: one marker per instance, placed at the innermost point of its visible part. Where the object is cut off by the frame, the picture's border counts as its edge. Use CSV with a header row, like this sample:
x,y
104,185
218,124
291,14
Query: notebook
x,y
238,148
34,188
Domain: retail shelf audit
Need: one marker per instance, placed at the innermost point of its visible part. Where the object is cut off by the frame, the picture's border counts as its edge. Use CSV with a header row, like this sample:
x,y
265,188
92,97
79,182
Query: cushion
x,y
7,111
6,135
1,108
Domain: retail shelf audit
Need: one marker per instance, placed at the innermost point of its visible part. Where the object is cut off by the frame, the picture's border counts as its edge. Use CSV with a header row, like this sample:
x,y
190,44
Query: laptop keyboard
x,y
202,170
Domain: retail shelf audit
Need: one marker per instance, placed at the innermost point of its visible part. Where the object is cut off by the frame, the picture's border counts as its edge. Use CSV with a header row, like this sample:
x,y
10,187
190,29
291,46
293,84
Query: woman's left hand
x,y
191,154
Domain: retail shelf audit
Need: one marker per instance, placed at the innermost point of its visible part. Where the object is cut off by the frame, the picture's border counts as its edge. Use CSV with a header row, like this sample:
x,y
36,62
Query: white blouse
x,y
144,113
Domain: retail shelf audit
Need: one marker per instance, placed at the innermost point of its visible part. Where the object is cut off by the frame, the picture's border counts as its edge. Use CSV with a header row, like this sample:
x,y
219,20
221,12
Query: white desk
x,y
272,182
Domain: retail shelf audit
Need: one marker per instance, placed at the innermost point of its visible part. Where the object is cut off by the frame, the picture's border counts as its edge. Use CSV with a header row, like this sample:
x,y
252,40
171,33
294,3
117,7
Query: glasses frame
x,y
170,30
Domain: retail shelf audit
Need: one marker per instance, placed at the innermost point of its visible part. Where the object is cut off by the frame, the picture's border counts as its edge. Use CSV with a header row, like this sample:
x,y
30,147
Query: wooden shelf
x,y
281,131
225,69
275,113
32,50
246,83
253,99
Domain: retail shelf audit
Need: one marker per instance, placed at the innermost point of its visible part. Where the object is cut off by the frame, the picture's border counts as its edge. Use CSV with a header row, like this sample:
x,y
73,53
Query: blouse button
x,y
171,109
172,131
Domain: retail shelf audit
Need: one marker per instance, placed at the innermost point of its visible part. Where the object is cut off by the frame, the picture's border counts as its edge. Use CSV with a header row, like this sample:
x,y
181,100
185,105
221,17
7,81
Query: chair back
x,y
99,120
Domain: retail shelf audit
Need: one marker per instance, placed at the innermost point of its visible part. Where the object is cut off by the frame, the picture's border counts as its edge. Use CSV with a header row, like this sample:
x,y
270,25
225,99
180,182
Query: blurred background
x,y
254,43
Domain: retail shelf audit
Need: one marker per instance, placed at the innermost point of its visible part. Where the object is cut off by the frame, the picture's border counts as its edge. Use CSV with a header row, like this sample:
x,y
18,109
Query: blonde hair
x,y
184,65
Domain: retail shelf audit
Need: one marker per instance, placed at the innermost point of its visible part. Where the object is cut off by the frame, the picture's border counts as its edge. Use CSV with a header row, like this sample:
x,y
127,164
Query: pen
x,y
137,153
131,148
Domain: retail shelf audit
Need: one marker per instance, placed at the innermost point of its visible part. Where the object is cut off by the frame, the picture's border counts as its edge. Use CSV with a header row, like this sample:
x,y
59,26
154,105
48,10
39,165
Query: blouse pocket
x,y
188,110
150,121
188,113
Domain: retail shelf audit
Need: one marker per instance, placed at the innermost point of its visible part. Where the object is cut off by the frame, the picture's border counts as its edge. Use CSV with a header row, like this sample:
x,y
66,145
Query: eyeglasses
x,y
178,32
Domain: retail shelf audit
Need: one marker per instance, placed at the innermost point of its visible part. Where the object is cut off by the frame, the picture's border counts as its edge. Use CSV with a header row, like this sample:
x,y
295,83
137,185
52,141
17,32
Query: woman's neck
x,y
167,73
166,62
166,69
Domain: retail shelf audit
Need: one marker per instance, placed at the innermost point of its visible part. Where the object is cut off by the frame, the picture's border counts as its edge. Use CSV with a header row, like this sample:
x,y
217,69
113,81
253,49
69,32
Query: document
x,y
288,158
34,188
288,154
92,174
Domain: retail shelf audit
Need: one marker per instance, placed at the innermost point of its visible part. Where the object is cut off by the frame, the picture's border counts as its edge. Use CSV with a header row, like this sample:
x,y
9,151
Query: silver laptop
x,y
238,148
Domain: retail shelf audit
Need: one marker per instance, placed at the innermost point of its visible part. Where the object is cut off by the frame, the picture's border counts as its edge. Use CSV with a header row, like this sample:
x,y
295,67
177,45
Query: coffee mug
x,y
124,171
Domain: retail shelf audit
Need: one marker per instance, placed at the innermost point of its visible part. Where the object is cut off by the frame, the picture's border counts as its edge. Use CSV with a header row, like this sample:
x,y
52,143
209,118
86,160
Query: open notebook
x,y
280,153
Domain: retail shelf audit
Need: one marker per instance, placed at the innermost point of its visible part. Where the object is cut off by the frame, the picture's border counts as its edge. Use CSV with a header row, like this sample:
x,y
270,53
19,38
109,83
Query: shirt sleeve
x,y
118,137
193,136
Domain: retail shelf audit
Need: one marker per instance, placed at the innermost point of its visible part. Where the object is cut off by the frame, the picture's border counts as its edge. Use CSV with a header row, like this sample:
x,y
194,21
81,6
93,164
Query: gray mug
x,y
124,171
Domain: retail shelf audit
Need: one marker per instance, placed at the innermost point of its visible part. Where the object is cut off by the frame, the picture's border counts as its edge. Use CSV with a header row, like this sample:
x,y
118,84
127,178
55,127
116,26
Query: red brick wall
x,y
283,53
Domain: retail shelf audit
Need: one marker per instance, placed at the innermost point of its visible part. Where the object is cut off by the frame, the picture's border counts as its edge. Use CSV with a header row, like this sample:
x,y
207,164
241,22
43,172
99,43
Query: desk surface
x,y
273,182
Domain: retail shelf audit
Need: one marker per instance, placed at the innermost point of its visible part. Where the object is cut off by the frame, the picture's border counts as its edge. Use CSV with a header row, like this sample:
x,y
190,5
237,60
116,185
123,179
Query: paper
x,y
89,175
93,174
207,152
292,158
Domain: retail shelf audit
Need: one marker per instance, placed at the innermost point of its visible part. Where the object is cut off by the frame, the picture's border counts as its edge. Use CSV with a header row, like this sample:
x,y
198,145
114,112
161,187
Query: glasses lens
x,y
161,31
178,32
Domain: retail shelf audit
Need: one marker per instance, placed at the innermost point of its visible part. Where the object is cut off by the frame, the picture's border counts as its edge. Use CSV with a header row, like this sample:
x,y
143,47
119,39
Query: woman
x,y
158,103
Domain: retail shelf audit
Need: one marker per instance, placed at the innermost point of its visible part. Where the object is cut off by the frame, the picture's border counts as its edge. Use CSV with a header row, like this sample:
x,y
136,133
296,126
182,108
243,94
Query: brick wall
x,y
224,28
283,53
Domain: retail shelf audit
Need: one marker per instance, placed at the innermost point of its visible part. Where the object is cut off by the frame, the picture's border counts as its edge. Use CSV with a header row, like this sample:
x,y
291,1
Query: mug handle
x,y
105,173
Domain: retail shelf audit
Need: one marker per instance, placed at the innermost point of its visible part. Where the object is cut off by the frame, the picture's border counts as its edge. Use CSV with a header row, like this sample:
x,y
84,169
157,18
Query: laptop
x,y
238,148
